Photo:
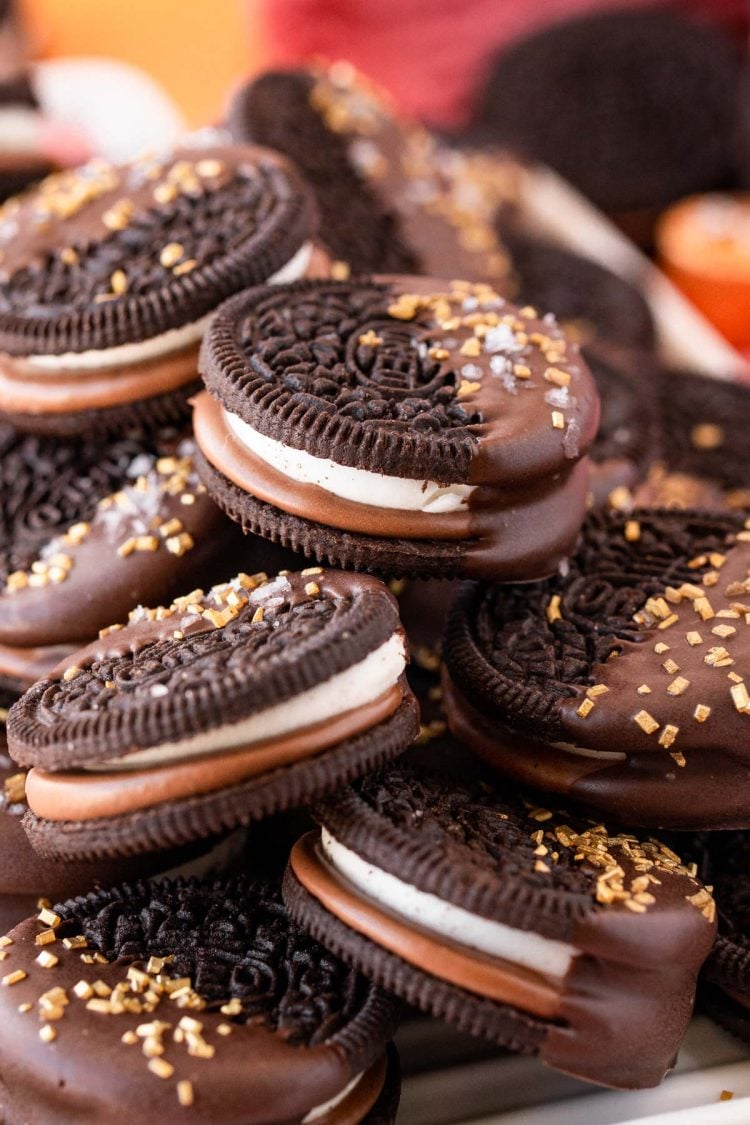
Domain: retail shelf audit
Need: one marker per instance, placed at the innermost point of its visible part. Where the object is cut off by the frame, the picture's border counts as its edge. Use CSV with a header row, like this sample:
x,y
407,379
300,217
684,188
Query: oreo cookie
x,y
726,974
392,197
407,426
91,528
620,682
253,698
650,92
109,273
540,931
188,1000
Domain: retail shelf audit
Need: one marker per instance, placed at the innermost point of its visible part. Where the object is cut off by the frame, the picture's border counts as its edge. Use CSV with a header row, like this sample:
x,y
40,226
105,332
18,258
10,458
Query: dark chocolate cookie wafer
x,y
634,107
188,1000
92,528
621,681
256,697
406,425
542,932
108,274
392,198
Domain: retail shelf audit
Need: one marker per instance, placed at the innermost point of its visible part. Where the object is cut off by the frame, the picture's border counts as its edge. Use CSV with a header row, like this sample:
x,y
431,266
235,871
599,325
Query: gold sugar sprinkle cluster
x,y
647,859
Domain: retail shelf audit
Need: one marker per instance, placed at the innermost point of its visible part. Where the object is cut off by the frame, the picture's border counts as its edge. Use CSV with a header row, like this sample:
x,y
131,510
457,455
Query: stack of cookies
x,y
243,829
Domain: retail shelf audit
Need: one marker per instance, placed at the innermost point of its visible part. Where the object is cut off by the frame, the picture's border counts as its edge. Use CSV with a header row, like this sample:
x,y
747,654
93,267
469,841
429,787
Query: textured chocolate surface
x,y
651,92
301,1023
111,255
635,655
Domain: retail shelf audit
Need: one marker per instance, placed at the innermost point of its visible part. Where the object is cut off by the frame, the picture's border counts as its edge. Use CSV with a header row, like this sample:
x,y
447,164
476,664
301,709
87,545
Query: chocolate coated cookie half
x,y
392,197
188,1000
405,425
108,274
620,682
93,527
253,698
540,931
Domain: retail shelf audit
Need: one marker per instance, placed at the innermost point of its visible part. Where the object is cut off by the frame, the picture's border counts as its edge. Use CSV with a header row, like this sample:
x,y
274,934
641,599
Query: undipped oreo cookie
x,y
542,932
90,529
108,273
620,682
188,1000
392,197
726,993
225,707
406,426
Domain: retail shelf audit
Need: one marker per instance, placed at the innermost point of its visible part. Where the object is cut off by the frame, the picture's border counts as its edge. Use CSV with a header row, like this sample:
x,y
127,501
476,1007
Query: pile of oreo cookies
x,y
239,486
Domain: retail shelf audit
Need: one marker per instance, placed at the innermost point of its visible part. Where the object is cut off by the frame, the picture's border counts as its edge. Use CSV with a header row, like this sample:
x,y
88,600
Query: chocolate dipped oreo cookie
x,y
392,197
221,709
620,682
542,932
109,273
188,1000
91,528
406,426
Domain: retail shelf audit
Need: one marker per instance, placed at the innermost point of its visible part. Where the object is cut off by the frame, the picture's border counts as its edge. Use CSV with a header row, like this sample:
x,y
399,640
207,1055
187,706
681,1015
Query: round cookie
x,y
635,107
726,974
392,197
253,698
91,528
109,273
406,426
188,1000
541,932
620,682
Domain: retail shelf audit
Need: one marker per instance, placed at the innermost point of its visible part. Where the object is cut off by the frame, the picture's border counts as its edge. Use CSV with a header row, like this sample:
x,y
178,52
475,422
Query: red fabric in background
x,y
431,54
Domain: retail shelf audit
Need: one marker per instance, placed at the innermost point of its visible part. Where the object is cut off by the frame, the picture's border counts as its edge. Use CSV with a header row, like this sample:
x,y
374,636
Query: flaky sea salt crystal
x,y
570,439
501,338
558,396
471,371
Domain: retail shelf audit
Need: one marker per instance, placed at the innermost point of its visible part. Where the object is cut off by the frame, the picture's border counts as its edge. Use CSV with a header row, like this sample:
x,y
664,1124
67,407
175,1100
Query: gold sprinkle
x,y
694,638
83,990
47,960
370,339
540,865
5,941
224,1029
312,589
23,1008
703,608
668,621
558,420
539,815
632,531
47,1033
724,631
660,647
209,167
180,544
646,722
596,690
185,267
14,977
643,689
701,713
165,193
678,685
740,697
585,709
160,1067
668,735
670,666
258,615
556,376
553,609
15,788
118,282
707,435
48,917
185,1092
726,1095
471,347
171,254
68,256
46,937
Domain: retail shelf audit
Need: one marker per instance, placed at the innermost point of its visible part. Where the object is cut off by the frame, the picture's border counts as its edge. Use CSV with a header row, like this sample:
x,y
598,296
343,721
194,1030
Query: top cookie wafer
x,y
107,275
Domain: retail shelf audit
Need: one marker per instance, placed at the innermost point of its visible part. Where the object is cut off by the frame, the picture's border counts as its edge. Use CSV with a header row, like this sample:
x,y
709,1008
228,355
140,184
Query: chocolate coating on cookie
x,y
268,1026
603,909
483,410
111,255
620,682
392,198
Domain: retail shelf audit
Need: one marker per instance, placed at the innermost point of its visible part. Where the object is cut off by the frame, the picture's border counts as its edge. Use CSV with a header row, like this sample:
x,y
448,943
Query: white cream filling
x,y
355,687
585,752
541,954
174,340
357,485
321,1110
